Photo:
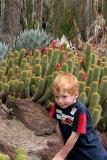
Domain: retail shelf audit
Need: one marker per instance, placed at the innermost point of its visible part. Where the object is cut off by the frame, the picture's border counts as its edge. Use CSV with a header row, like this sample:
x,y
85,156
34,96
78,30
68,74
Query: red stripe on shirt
x,y
82,124
52,112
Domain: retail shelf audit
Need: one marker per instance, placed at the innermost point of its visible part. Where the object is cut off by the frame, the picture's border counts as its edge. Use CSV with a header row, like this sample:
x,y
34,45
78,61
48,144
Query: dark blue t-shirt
x,y
77,118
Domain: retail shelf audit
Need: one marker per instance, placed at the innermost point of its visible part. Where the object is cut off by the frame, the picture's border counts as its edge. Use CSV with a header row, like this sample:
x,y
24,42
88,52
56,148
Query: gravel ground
x,y
14,133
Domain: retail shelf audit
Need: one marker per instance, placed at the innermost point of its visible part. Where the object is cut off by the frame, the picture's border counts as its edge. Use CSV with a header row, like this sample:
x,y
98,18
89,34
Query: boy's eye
x,y
64,96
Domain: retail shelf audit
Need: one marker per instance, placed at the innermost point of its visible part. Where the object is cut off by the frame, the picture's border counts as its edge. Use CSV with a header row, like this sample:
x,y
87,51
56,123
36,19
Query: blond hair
x,y
66,82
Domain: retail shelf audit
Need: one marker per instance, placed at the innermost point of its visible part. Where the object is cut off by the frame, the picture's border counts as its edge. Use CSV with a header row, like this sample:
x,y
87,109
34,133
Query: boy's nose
x,y
60,100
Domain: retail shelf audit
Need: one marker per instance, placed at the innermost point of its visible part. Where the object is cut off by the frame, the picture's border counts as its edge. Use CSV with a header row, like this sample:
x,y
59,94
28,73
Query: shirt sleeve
x,y
79,123
53,111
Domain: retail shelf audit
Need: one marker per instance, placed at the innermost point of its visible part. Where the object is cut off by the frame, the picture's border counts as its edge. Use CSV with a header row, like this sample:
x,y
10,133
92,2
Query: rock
x,y
4,107
6,149
34,116
3,114
49,153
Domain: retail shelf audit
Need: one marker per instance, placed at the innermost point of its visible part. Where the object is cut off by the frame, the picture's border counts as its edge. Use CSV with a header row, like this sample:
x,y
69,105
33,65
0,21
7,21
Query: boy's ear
x,y
76,94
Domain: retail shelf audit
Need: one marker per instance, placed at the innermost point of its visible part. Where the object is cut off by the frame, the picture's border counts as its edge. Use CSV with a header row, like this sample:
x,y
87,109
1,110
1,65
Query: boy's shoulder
x,y
80,106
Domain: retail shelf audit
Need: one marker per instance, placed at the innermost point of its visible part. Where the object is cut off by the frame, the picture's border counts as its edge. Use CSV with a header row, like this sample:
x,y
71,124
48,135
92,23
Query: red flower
x,y
53,43
46,50
62,46
37,50
58,66
84,75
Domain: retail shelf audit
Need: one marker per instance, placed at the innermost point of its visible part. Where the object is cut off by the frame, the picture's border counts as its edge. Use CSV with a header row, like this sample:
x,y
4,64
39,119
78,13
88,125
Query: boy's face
x,y
64,99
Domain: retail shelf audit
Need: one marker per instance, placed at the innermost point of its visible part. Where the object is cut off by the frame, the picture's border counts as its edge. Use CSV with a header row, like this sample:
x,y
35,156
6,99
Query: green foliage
x,y
32,39
62,21
105,8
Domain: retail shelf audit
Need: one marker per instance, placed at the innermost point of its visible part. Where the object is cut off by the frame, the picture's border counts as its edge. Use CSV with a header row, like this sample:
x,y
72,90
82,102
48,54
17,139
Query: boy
x,y
74,127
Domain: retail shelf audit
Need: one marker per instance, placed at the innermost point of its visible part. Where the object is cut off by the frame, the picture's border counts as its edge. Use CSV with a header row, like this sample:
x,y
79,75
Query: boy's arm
x,y
62,154
59,134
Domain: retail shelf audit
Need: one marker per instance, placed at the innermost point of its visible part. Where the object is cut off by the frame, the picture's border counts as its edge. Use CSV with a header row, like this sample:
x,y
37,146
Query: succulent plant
x,y
33,39
3,50
4,156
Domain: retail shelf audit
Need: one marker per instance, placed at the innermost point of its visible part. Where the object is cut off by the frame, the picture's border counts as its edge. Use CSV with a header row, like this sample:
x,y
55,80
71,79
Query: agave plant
x,y
3,50
33,39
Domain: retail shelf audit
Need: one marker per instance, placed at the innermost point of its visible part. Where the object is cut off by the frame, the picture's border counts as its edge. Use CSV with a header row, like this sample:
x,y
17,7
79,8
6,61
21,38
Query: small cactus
x,y
4,157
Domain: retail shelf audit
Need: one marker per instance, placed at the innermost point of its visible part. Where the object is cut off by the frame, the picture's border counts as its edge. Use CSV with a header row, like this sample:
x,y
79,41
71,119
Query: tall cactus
x,y
88,57
53,62
21,154
94,101
103,91
83,97
93,88
40,89
96,115
48,92
96,74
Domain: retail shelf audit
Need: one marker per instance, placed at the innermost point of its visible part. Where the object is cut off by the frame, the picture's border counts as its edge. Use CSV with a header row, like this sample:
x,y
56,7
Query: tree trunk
x,y
85,20
10,19
38,8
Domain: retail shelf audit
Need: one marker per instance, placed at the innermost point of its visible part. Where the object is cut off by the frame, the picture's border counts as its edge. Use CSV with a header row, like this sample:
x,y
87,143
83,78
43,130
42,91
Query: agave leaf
x,y
33,39
3,50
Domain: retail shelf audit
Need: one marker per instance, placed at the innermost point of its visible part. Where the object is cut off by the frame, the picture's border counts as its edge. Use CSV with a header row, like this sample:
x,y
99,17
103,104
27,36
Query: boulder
x,y
34,116
6,149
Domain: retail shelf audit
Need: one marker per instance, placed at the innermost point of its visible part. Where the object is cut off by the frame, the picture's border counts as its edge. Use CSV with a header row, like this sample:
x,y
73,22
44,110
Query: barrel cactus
x,y
33,39
3,50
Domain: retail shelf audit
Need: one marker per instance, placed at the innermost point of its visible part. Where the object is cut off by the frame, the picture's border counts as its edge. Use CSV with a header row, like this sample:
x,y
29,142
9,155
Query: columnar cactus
x,y
70,65
40,89
103,91
21,154
53,61
64,67
76,68
94,58
10,74
44,65
96,74
90,75
37,70
83,97
82,86
27,87
93,88
88,57
48,93
94,101
96,115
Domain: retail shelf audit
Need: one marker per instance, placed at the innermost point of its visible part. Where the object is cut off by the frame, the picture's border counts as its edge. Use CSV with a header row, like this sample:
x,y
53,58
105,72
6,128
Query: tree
x,y
10,19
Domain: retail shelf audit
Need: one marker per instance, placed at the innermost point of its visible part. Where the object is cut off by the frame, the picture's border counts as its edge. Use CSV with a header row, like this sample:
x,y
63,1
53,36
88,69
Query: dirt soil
x,y
15,134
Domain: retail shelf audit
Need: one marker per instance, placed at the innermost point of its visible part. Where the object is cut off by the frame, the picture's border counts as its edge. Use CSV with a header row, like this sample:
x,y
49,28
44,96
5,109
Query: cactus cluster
x,y
94,90
31,76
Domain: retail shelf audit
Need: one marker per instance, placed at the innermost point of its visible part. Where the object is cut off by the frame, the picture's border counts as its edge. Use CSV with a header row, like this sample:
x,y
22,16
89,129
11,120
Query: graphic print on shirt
x,y
66,119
